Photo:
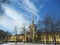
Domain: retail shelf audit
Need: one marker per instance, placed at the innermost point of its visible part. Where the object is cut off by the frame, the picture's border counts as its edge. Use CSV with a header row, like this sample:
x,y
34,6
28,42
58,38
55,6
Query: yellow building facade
x,y
33,35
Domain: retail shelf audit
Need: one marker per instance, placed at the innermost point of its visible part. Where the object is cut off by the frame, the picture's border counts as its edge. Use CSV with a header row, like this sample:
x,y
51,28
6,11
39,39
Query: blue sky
x,y
20,12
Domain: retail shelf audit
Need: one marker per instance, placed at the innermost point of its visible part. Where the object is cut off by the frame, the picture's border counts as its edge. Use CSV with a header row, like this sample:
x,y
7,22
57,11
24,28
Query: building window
x,y
57,37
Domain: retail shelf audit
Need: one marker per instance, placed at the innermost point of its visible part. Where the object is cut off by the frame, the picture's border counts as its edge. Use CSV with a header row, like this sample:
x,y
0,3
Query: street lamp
x,y
16,33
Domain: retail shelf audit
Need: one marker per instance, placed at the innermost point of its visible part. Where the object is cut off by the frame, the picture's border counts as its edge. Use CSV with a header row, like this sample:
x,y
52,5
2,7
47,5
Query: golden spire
x,y
32,19
33,29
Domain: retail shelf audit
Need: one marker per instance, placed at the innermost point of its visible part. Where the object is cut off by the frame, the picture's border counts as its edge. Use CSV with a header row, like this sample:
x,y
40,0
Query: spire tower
x,y
32,19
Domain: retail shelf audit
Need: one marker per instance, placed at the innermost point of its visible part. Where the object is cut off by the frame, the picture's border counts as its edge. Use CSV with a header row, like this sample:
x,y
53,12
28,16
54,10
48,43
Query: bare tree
x,y
50,26
39,29
24,31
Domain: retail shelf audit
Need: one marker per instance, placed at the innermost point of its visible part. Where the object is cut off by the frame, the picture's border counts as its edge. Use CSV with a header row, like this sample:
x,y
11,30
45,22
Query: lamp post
x,y
16,33
54,36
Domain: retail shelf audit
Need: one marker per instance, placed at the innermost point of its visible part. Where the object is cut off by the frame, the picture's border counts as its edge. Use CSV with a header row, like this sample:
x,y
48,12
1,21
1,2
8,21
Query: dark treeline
x,y
4,35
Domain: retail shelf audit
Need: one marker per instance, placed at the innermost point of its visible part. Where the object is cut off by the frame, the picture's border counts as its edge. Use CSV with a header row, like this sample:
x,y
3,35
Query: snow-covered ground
x,y
26,44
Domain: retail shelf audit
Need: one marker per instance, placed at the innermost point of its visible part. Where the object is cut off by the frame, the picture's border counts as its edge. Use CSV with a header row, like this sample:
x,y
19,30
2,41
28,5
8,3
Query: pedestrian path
x,y
26,44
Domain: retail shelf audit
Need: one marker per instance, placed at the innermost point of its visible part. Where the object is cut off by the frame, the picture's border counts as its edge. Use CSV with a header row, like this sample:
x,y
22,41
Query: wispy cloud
x,y
30,7
7,23
18,19
17,16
